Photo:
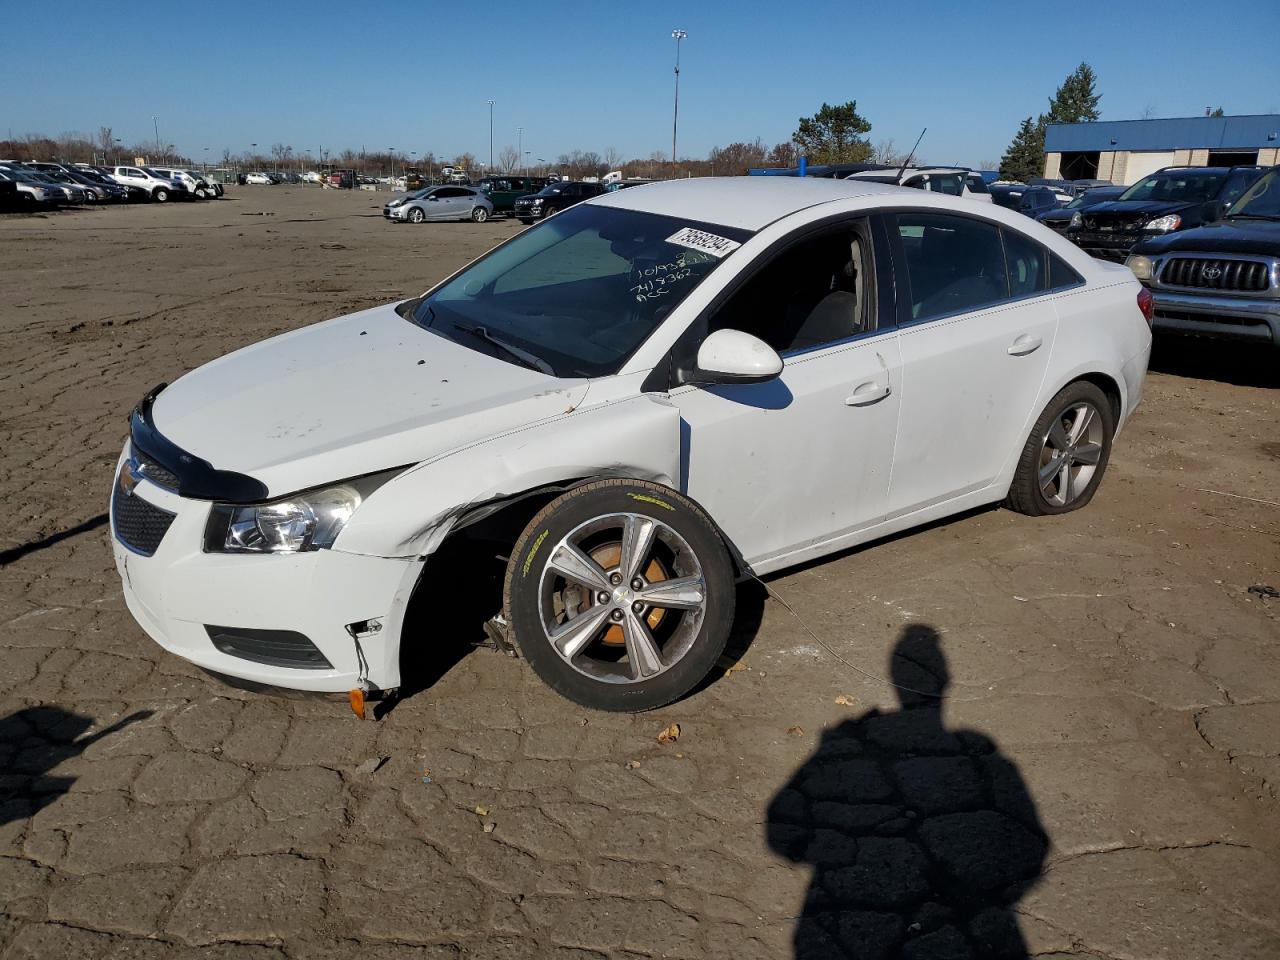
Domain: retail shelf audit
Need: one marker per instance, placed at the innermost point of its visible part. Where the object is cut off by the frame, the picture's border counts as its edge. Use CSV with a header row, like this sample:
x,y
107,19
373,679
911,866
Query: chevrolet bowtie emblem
x,y
130,475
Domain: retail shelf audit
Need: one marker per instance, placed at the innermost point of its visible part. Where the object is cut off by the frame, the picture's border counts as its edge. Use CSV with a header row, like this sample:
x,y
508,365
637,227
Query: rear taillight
x,y
1147,304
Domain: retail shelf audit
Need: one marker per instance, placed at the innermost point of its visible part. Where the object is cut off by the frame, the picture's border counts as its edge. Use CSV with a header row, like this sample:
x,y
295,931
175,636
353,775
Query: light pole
x,y
155,121
117,142
676,35
525,156
491,103
520,144
206,159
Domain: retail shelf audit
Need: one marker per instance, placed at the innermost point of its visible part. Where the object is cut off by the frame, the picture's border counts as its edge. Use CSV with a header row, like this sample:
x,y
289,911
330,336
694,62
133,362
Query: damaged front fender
x,y
637,438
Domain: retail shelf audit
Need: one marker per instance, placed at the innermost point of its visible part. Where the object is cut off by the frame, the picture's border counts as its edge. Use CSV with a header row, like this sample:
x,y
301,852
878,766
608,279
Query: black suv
x,y
1223,279
1174,198
555,196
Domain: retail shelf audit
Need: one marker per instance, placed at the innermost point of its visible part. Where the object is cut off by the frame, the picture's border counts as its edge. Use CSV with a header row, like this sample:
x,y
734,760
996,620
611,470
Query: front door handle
x,y
1024,344
867,393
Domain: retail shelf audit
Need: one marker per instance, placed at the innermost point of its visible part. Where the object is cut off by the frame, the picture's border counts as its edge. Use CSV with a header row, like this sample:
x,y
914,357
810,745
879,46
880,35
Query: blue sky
x,y
590,76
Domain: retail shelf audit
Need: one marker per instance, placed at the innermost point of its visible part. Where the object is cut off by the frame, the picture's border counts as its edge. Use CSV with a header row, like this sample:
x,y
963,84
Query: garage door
x,y
1138,165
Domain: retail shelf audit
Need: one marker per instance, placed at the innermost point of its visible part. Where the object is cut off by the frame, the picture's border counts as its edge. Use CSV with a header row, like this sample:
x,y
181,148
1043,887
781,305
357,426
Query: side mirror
x,y
733,356
433,198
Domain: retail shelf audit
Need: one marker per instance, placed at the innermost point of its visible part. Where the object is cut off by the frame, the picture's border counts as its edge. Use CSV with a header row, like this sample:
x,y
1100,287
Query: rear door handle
x,y
867,393
1024,344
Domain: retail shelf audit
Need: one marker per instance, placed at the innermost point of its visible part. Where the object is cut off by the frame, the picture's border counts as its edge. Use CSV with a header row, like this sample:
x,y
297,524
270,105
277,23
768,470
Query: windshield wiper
x,y
523,357
1253,216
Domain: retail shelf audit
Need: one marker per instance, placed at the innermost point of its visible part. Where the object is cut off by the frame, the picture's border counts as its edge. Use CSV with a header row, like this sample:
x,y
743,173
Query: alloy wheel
x,y
622,598
1070,452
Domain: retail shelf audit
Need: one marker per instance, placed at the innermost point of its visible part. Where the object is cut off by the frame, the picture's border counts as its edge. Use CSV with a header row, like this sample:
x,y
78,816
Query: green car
x,y
503,191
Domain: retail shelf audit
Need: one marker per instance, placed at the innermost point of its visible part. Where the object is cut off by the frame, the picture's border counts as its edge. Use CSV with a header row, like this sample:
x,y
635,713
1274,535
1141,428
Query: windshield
x,y
581,291
1185,186
155,173
1260,200
550,190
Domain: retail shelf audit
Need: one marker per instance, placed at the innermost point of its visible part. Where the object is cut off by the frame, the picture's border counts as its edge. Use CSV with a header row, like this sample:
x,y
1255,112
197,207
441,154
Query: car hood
x,y
1222,236
1128,208
351,396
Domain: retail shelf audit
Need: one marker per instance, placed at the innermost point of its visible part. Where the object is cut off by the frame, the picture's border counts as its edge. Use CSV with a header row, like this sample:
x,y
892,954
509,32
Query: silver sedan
x,y
440,203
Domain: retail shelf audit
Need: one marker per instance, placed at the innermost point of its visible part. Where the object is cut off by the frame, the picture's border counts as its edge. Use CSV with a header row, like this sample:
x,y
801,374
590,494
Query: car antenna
x,y
906,162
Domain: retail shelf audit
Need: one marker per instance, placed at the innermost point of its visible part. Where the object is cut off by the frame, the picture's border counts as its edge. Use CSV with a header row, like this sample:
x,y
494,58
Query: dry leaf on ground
x,y
670,735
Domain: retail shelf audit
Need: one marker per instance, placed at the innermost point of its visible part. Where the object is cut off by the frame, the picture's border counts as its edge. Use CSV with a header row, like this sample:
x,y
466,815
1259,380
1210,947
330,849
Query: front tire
x,y
1067,453
416,215
201,193
620,594
160,195
479,215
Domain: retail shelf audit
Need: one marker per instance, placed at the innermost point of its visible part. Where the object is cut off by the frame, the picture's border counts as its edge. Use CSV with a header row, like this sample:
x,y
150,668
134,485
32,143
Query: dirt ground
x,y
1102,781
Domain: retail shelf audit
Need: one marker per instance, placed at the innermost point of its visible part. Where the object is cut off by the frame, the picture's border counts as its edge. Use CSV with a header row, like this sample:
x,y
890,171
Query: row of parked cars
x,y
38,185
1205,241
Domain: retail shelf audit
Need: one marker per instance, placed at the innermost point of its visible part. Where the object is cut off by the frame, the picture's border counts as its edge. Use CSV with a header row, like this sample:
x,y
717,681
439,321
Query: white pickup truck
x,y
158,187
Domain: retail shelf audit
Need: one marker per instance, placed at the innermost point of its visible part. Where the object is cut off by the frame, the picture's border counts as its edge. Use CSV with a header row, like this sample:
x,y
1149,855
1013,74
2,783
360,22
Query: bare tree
x,y
612,158
887,152
783,155
509,159
1149,111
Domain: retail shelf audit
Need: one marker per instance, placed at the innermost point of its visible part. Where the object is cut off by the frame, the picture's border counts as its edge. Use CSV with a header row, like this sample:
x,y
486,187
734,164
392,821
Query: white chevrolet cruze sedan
x,y
634,404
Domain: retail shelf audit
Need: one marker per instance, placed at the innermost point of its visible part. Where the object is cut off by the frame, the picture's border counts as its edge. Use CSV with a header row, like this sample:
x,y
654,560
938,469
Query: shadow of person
x,y
921,838
33,741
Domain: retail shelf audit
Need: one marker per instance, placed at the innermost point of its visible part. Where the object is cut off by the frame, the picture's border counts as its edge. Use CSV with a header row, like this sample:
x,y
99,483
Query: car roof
x,y
750,203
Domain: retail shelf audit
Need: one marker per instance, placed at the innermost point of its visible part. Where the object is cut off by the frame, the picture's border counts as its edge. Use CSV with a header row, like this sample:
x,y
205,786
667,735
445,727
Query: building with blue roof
x,y
1125,151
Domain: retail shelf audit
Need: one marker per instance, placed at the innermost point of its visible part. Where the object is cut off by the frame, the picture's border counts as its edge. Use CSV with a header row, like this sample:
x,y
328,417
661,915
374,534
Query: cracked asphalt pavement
x,y
1100,780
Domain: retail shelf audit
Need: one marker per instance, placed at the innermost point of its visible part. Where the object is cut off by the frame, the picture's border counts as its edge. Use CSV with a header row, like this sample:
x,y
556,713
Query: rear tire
x,y
479,215
638,644
160,195
1066,454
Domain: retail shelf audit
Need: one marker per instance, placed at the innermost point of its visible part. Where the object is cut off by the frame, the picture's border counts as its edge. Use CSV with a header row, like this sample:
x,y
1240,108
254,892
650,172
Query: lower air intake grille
x,y
276,648
137,524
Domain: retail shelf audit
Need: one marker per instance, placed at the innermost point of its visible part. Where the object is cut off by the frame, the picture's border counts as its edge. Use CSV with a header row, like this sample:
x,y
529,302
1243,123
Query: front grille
x,y
153,471
137,524
1248,276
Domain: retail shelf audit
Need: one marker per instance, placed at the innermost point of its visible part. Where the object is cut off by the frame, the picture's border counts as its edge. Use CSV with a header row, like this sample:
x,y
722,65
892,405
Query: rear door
x,y
977,327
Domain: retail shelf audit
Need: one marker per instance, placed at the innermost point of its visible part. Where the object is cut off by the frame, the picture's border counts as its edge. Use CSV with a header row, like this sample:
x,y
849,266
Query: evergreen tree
x,y
1075,101
1025,157
834,135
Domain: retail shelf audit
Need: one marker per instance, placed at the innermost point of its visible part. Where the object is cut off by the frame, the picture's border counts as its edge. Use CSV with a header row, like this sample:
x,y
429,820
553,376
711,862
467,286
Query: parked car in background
x,y
611,402
1061,218
1221,279
159,189
213,185
258,177
504,191
96,193
197,187
72,193
976,185
1006,195
1174,198
1037,200
312,176
613,186
345,179
33,195
554,197
953,181
440,203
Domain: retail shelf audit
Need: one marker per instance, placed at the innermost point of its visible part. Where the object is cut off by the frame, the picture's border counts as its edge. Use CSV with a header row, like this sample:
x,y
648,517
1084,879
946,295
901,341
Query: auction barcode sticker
x,y
718,247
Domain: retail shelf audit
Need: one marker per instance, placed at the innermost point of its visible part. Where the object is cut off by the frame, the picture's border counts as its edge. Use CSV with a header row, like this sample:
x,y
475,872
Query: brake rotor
x,y
609,556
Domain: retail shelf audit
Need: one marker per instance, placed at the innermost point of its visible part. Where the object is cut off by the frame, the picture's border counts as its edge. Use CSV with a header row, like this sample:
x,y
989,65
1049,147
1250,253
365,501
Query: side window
x,y
816,292
1061,276
953,264
1026,262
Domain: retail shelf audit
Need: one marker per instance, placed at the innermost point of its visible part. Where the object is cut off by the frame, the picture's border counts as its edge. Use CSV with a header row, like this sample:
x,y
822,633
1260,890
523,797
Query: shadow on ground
x,y
33,741
921,838
20,551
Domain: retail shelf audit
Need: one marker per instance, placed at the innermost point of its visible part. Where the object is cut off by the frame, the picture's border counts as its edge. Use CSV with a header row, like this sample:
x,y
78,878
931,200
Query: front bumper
x,y
527,212
1105,245
1225,318
394,213
179,591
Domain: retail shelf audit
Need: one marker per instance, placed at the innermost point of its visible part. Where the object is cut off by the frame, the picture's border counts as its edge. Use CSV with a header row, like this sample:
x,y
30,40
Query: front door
x,y
805,458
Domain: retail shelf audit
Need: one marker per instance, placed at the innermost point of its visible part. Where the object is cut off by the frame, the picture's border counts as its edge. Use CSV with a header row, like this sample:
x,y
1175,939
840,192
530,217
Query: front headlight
x,y
535,203
1164,224
1140,265
1077,221
304,521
